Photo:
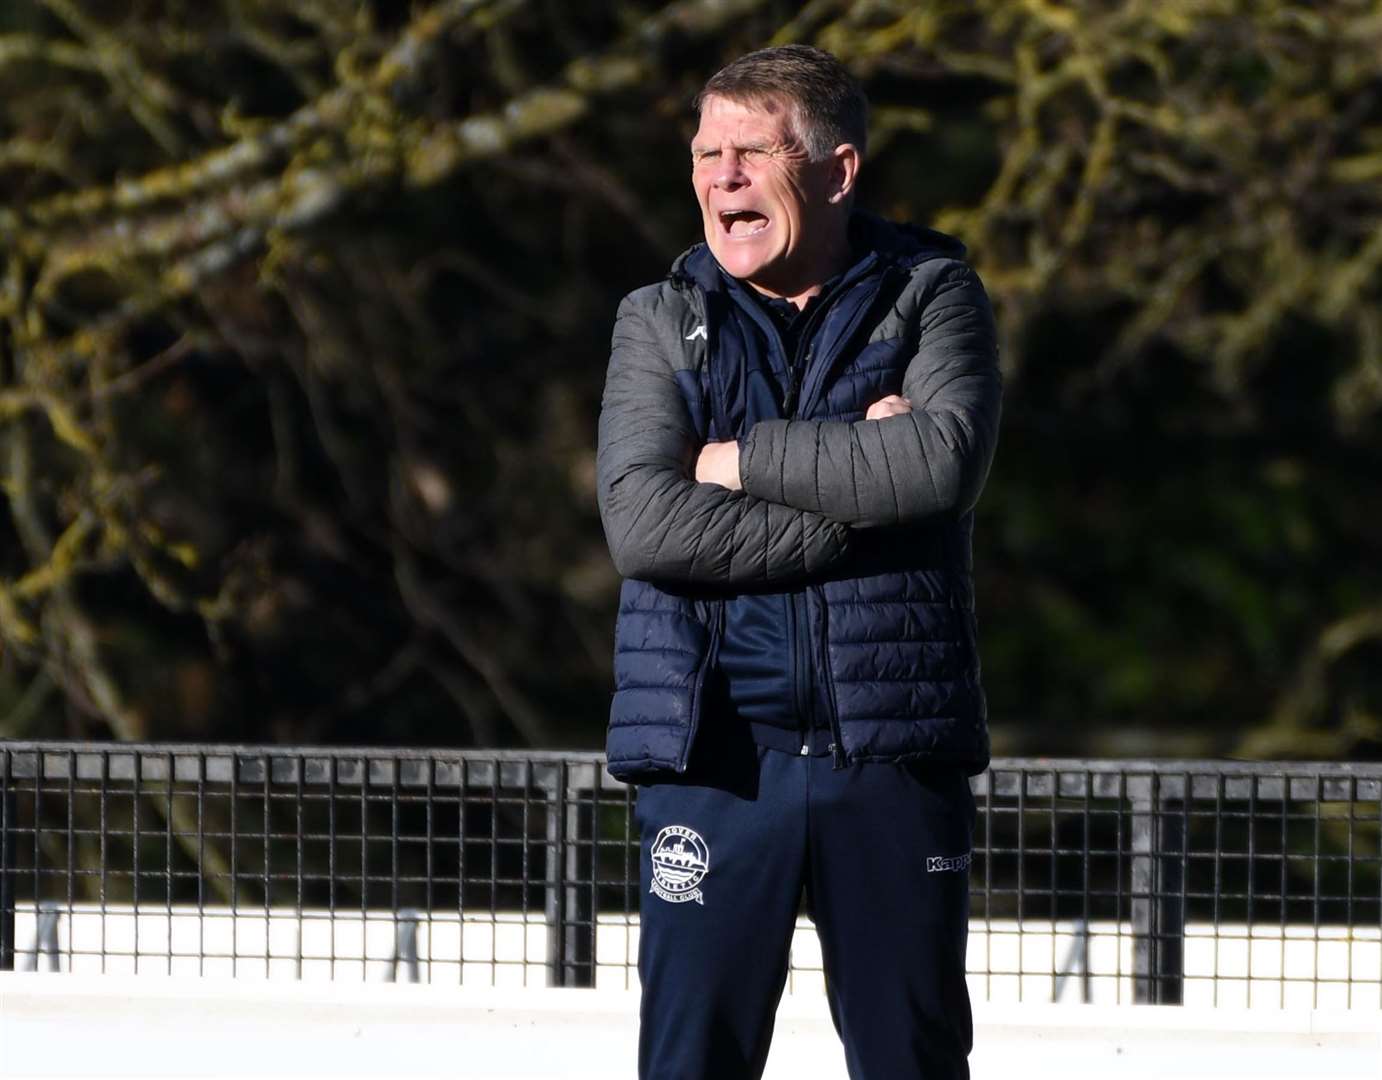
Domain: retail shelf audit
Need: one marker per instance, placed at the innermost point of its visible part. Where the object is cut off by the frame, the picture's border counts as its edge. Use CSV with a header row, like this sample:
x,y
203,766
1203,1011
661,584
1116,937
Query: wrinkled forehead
x,y
766,115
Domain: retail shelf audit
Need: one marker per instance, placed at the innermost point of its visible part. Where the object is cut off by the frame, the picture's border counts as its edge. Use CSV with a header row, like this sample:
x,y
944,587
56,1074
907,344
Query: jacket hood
x,y
902,244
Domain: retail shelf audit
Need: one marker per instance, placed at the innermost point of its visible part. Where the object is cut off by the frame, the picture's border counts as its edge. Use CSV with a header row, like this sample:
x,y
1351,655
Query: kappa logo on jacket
x,y
940,864
699,332
680,859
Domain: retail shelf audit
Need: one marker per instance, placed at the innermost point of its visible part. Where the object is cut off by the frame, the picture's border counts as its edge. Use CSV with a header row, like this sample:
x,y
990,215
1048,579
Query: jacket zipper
x,y
799,626
801,692
712,652
797,364
806,703
837,744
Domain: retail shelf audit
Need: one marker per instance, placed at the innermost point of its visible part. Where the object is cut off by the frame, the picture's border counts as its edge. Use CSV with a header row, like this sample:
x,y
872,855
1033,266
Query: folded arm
x,y
931,460
660,523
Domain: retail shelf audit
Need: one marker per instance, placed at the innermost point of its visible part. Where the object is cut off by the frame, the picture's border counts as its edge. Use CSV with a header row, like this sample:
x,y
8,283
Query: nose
x,y
729,172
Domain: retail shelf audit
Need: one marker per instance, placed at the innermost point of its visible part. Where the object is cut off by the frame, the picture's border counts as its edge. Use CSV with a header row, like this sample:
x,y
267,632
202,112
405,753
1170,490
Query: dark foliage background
x,y
305,309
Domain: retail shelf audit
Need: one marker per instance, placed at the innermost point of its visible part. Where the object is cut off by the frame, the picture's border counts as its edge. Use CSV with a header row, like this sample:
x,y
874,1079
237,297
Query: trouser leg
x,y
720,870
888,886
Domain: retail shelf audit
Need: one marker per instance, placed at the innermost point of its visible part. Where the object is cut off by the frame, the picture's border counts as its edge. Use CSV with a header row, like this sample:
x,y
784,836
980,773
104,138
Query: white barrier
x,y
1032,962
507,949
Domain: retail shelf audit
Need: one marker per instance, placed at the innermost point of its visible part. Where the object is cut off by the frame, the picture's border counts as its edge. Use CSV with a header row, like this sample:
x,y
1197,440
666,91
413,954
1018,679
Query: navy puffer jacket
x,y
870,519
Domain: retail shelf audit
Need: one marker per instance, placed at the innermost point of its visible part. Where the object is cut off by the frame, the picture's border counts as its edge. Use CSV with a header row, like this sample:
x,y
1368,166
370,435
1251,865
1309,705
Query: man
x,y
796,426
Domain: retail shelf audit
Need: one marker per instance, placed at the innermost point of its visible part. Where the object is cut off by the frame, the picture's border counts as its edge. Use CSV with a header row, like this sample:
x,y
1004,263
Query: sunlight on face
x,y
766,208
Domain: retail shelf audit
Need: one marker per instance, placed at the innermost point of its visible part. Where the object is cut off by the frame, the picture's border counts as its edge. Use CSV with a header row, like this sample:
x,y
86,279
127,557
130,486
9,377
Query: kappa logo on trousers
x,y
681,859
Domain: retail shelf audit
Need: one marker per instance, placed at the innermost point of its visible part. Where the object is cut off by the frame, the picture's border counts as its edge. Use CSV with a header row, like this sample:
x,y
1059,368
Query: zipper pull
x,y
789,404
798,371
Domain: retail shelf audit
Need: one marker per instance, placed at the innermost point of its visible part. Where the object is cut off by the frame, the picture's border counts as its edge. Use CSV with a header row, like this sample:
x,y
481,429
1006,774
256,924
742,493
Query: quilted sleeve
x,y
931,461
662,525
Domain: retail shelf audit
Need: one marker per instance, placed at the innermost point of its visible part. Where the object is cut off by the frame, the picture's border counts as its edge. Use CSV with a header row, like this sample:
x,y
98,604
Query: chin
x,y
744,265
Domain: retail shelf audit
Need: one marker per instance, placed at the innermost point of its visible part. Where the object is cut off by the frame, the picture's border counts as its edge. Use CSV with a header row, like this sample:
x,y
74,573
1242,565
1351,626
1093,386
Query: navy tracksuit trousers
x,y
881,853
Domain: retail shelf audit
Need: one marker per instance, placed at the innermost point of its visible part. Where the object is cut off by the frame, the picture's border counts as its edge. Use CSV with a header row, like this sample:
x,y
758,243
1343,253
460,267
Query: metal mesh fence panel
x,y
1201,883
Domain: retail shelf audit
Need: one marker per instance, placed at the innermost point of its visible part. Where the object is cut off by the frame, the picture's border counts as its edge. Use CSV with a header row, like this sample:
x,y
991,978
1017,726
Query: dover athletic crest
x,y
680,860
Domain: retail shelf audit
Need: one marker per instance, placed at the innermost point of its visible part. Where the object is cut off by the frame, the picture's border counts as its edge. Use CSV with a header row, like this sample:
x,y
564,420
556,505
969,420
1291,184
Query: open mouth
x,y
741,223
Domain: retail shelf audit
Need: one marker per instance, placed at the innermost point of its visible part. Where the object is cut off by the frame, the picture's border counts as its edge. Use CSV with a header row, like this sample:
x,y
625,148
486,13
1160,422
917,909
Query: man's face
x,y
765,206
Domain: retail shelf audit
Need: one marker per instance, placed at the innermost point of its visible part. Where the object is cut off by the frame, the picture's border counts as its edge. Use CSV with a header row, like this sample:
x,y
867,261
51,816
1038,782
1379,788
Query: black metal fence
x,y
1172,882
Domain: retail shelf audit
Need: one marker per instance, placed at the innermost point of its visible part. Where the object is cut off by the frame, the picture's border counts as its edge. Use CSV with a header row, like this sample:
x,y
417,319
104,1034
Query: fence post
x,y
554,893
8,815
569,904
578,959
1170,899
1143,831
404,946
1158,913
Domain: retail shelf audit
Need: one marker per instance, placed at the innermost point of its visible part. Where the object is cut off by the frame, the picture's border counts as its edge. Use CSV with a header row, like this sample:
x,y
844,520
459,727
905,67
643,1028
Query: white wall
x,y
1032,962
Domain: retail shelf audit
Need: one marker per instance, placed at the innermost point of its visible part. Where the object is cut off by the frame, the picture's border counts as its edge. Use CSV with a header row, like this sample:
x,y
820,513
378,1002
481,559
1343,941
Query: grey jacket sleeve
x,y
662,525
931,461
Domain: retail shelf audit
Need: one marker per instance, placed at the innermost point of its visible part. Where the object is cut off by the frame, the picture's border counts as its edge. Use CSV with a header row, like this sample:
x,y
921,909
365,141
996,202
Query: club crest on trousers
x,y
680,859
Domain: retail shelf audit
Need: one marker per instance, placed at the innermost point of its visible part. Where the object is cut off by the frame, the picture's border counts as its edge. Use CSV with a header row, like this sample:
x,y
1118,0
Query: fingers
x,y
705,464
892,405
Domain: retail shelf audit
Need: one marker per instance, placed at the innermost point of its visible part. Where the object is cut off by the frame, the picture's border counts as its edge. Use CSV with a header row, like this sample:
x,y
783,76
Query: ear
x,y
844,171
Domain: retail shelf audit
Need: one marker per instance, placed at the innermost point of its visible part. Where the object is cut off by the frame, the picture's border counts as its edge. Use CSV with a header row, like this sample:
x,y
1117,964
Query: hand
x,y
718,463
892,405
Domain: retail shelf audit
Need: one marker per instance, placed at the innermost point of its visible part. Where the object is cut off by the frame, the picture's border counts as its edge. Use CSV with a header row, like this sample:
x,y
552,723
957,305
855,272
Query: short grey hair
x,y
829,104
